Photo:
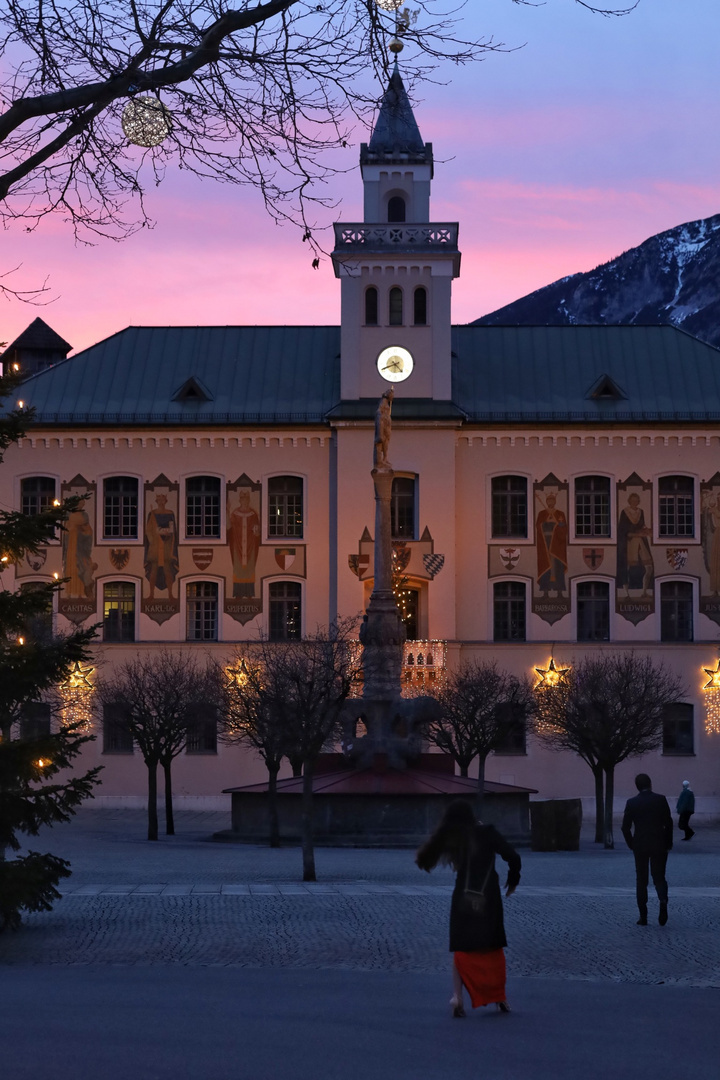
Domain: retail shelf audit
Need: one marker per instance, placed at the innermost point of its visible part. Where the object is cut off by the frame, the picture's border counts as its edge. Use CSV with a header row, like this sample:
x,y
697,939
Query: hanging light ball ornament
x,y
390,5
146,121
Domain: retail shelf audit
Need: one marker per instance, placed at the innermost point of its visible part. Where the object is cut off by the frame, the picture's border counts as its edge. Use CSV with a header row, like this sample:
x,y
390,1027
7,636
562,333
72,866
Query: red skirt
x,y
483,975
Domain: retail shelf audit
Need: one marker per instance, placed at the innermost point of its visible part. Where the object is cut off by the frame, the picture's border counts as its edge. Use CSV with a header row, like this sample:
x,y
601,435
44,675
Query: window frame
x,y
679,539
102,583
694,608
368,290
107,724
284,580
185,537
412,477
20,480
394,290
509,751
187,601
21,584
598,539
100,531
672,751
504,538
394,199
424,290
282,538
36,727
205,722
608,583
527,587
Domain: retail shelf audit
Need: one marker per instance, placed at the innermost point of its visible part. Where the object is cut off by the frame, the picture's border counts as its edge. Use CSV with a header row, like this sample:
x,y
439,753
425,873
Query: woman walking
x,y
477,932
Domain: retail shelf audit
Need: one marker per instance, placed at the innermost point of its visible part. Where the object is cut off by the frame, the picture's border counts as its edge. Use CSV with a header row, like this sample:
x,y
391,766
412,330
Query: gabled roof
x,y
38,335
290,375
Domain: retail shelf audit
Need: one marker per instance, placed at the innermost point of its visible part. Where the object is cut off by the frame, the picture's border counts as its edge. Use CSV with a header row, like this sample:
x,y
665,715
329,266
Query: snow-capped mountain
x,y
674,277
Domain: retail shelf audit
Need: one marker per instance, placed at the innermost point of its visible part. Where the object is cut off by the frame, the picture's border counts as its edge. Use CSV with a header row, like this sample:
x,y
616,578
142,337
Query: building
x,y
557,488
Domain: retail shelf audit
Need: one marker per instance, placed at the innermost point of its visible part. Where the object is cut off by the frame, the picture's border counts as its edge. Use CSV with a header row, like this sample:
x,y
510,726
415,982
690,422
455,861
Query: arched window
x,y
202,611
285,506
202,509
592,506
119,611
509,611
593,611
420,306
285,610
120,508
676,611
36,494
396,307
396,208
371,306
675,505
402,508
509,506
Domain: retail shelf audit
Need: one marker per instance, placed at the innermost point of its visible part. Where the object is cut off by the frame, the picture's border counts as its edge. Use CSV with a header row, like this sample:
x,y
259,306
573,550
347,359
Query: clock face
x,y
395,363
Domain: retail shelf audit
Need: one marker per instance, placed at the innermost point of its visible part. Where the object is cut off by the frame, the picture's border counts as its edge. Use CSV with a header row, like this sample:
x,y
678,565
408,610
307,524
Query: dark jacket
x,y
686,802
647,824
471,932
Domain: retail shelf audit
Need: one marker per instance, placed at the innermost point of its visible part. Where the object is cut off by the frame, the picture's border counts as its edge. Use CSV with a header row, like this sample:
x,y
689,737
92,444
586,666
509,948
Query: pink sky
x,y
554,158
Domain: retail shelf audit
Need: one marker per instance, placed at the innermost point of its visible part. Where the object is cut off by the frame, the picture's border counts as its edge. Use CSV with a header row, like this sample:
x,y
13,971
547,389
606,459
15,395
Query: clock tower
x,y
396,267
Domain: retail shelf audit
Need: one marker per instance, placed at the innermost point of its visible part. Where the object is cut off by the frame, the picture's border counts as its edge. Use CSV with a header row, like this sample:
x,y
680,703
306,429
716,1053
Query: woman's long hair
x,y
449,843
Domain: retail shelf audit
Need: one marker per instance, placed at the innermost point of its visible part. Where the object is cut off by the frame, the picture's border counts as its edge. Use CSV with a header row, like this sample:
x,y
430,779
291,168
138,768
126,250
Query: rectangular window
x,y
117,739
202,611
202,507
593,611
509,611
37,493
35,720
676,611
119,611
678,729
285,506
675,506
285,610
402,508
38,627
509,506
592,506
515,740
120,508
202,733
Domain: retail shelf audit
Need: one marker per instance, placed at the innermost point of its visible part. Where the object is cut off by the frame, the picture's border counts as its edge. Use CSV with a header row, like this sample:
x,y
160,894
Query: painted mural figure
x,y
77,554
161,547
634,559
551,539
711,539
244,543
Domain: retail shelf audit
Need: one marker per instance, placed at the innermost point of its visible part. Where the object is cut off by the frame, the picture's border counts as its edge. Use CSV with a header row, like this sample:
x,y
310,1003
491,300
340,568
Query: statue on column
x,y
383,427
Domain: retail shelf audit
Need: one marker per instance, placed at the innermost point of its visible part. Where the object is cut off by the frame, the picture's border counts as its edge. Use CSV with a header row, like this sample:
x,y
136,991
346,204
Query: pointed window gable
x,y
192,390
606,389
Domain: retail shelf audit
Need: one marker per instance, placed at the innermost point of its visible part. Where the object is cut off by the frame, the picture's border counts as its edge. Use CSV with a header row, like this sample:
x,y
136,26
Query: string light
x,y
424,667
711,692
549,679
76,694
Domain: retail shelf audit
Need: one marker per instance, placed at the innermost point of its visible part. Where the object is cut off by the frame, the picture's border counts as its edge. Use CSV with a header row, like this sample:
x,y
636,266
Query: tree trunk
x,y
308,849
609,797
599,805
463,770
169,816
152,800
479,798
273,806
296,765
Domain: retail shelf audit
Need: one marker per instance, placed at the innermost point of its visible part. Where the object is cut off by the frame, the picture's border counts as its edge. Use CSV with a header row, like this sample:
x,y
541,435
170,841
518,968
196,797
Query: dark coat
x,y
647,823
479,933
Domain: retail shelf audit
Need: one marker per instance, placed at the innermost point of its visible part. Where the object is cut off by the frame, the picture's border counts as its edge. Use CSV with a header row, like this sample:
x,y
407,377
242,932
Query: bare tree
x,y
606,709
98,96
157,698
481,706
249,716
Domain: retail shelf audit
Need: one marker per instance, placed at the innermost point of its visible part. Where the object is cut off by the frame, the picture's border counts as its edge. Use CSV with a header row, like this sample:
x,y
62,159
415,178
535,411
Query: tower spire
x,y
396,136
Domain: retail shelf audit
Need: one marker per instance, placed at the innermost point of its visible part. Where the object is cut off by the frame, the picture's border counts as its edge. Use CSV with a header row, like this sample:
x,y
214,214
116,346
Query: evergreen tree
x,y
35,787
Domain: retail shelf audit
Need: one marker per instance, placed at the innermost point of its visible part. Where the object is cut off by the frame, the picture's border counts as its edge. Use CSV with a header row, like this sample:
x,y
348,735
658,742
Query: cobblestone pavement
x,y
187,902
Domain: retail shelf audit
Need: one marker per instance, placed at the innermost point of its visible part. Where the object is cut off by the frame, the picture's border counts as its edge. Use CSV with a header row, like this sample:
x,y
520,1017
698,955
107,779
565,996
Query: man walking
x,y
648,830
686,808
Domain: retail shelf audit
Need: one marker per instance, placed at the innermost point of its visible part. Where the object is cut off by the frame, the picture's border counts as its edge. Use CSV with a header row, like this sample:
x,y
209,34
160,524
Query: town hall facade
x,y
557,489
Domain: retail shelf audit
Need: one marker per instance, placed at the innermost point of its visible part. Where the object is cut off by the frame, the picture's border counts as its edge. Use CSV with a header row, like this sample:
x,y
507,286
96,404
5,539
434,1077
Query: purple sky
x,y
554,158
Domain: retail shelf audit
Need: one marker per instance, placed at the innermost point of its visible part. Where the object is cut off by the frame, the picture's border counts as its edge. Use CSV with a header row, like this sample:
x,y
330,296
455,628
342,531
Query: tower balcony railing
x,y
357,237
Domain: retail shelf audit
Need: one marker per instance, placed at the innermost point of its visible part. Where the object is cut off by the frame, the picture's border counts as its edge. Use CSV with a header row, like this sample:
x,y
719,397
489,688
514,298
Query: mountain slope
x,y
674,277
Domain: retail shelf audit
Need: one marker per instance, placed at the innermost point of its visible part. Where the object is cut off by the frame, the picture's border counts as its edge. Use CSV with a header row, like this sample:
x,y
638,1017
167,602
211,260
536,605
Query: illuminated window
x,y
119,611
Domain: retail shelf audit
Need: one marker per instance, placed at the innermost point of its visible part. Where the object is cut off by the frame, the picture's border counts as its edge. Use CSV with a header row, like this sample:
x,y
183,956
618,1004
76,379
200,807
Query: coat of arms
x,y
119,557
593,557
36,559
509,556
400,557
285,557
358,564
202,557
433,563
677,557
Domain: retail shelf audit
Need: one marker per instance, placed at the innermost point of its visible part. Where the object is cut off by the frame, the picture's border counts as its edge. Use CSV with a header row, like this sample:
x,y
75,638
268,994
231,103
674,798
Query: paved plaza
x,y
190,958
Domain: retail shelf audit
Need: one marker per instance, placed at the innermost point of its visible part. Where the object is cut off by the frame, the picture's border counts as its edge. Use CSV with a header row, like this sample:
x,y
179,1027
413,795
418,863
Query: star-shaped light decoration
x,y
79,677
237,676
712,700
551,675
